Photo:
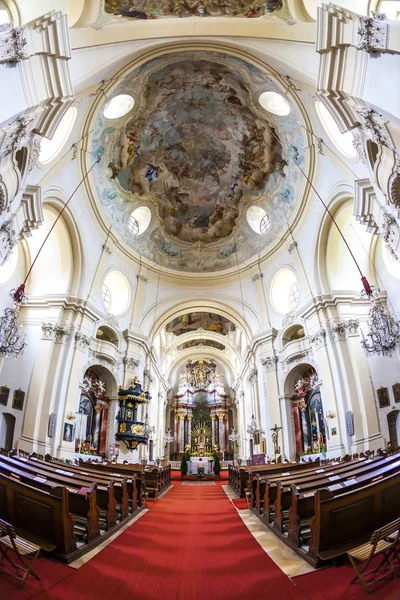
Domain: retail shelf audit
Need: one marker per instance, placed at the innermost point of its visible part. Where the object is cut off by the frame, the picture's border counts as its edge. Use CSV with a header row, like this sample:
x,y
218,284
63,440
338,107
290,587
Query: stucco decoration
x,y
156,9
200,320
197,150
195,343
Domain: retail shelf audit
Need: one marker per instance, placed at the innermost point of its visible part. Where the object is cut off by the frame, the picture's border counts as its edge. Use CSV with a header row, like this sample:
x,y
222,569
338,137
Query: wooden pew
x,y
302,504
266,492
344,521
83,506
39,516
357,469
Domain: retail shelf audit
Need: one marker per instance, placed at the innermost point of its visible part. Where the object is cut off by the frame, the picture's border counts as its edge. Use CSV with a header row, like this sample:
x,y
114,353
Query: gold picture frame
x,y
383,397
4,394
18,399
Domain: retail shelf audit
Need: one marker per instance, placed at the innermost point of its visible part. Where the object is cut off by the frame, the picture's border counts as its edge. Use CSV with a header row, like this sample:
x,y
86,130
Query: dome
x,y
198,150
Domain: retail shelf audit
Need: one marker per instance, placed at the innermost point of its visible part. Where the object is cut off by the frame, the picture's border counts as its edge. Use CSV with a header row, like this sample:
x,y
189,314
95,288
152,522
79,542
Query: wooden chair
x,y
383,542
25,551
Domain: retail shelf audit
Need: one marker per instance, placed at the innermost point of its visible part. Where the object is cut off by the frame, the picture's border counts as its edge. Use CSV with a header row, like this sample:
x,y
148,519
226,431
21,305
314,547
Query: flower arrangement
x,y
86,448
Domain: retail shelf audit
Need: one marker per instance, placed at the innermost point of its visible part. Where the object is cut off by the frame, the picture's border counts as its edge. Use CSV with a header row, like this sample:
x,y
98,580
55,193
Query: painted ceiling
x,y
156,9
195,343
200,320
198,150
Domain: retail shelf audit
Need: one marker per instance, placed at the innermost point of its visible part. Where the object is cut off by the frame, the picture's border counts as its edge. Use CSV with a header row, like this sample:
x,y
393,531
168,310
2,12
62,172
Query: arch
x,y
7,426
104,333
195,305
294,332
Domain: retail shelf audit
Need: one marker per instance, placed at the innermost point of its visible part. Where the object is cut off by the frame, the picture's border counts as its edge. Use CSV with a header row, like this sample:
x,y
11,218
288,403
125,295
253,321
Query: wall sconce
x,y
330,414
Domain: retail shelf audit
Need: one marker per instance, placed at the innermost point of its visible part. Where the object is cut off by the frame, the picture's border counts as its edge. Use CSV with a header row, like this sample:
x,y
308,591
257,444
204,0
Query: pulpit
x,y
201,461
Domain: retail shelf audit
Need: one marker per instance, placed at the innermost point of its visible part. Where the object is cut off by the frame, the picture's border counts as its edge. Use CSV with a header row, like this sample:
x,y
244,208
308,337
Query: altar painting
x,y
308,416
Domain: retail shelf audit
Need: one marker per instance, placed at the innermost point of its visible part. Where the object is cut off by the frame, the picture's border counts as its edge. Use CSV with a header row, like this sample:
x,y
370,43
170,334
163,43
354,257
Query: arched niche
x,y
104,333
294,332
7,426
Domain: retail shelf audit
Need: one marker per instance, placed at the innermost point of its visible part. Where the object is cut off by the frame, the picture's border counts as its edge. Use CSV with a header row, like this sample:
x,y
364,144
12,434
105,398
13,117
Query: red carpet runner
x,y
191,545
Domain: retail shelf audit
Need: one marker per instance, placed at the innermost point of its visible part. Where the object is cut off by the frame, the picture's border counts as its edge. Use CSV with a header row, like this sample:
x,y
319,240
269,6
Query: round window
x,y
118,106
258,219
285,291
342,141
49,149
274,103
116,293
139,220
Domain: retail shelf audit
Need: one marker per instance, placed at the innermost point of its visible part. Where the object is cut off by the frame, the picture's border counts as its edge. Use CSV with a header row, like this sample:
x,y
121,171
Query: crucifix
x,y
275,435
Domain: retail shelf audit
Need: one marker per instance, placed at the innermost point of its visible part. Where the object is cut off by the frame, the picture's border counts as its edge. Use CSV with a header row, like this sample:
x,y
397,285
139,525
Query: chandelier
x,y
11,343
252,427
149,430
384,334
168,437
233,436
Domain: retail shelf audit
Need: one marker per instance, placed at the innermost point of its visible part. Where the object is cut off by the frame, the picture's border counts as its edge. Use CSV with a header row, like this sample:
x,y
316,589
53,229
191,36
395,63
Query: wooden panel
x,y
34,516
391,503
351,521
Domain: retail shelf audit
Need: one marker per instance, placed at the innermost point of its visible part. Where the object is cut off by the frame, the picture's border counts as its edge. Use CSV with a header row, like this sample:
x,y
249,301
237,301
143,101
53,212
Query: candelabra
x,y
149,430
11,343
233,436
384,334
252,427
168,437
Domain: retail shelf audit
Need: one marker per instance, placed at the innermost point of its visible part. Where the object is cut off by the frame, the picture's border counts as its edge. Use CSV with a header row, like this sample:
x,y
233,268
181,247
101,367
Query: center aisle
x,y
191,545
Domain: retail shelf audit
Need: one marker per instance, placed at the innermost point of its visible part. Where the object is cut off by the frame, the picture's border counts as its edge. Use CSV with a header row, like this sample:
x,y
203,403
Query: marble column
x,y
221,431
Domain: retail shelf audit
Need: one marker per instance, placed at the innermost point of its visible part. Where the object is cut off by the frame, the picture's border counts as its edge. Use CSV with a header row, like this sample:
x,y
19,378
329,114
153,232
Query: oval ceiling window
x,y
7,270
258,219
139,220
116,293
274,103
49,149
118,106
342,141
285,291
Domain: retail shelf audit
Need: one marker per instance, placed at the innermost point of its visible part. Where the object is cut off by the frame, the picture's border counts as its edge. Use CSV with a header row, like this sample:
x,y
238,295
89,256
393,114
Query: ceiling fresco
x,y
156,9
197,150
200,320
195,343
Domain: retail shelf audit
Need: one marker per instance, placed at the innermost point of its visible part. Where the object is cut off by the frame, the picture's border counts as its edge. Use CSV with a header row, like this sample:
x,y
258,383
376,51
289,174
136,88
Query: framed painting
x,y
4,394
67,437
396,391
383,397
18,399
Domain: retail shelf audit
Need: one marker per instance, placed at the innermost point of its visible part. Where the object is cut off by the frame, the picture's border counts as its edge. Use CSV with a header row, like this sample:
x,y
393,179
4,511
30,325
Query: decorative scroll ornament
x,y
384,335
8,241
390,231
373,125
318,339
372,33
12,43
11,343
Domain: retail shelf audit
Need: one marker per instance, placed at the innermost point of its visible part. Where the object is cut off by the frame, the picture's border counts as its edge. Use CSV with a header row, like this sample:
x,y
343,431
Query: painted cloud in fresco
x,y
198,150
200,320
155,9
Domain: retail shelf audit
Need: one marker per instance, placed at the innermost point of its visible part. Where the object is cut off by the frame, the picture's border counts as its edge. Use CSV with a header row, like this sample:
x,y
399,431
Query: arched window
x,y
285,291
116,293
49,149
296,332
342,141
106,334
139,220
258,219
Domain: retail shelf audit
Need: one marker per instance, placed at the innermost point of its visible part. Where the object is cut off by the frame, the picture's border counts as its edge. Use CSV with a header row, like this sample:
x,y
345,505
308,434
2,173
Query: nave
x,y
192,544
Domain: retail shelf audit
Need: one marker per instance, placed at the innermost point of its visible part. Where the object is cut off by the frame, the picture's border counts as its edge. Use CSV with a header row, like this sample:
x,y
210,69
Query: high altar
x,y
202,410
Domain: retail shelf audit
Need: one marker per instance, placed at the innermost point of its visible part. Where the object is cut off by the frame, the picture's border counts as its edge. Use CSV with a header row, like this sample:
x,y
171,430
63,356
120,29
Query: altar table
x,y
204,461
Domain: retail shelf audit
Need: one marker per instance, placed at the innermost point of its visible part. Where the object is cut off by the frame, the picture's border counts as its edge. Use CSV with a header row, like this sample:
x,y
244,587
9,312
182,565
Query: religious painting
x,y
195,343
383,397
396,391
156,9
333,431
4,394
200,320
18,399
67,435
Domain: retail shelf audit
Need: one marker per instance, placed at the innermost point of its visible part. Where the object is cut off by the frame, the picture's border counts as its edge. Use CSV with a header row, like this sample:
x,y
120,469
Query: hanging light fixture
x,y
384,335
149,430
233,436
168,437
384,329
252,427
11,343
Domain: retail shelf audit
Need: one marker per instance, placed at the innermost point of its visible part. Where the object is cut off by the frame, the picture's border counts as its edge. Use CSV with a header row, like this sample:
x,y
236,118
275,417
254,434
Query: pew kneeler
x,y
382,543
25,551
